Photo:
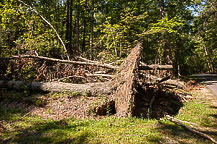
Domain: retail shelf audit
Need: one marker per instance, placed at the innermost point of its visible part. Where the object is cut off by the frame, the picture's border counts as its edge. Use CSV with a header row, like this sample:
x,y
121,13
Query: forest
x,y
69,64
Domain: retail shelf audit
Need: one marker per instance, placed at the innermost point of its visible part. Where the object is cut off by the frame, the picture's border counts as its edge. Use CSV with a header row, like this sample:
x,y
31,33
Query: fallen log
x,y
144,66
92,89
176,121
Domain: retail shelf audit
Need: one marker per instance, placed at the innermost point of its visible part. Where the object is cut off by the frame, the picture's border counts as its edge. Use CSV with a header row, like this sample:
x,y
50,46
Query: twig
x,y
164,79
176,121
97,75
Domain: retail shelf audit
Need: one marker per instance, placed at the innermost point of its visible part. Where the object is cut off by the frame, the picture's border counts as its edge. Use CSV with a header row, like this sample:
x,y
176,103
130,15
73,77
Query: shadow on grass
x,y
19,127
214,107
210,121
51,132
182,135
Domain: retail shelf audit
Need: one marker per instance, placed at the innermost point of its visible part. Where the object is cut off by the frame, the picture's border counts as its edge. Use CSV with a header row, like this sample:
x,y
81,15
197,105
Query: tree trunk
x,y
70,28
166,46
91,31
84,31
68,33
162,12
67,26
77,27
92,89
126,81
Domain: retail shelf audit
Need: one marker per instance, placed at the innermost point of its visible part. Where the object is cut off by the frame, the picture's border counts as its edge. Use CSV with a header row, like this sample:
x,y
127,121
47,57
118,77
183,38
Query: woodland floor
x,y
69,118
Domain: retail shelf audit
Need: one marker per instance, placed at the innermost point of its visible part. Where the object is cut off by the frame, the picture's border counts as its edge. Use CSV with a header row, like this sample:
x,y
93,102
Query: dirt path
x,y
210,80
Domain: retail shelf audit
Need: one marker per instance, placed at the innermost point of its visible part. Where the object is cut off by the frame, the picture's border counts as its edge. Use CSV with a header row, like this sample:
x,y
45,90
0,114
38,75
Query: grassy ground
x,y
19,126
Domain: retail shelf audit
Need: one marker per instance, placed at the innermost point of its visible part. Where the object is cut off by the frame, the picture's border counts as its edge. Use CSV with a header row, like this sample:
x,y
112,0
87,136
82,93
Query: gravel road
x,y
210,80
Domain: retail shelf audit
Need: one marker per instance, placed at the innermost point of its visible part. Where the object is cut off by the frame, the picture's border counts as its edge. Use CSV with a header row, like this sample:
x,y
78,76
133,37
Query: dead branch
x,y
61,79
176,121
144,66
63,61
98,75
176,83
164,79
87,60
64,47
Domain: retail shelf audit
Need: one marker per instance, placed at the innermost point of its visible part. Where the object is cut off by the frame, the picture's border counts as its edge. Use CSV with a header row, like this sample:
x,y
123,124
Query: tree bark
x,y
126,82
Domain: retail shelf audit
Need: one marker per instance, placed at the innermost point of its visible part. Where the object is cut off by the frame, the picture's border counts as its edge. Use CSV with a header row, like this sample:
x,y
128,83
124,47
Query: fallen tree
x,y
124,92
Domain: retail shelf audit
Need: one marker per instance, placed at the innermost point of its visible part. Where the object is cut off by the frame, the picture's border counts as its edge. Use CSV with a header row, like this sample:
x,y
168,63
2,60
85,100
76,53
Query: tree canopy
x,y
181,33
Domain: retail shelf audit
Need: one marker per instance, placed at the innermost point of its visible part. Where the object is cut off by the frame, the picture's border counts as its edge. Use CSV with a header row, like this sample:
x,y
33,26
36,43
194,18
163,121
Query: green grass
x,y
22,128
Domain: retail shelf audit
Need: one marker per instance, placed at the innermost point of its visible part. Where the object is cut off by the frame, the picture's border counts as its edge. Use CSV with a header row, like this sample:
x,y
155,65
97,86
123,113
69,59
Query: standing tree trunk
x,y
84,30
211,69
70,28
162,12
91,30
167,51
67,26
77,27
68,34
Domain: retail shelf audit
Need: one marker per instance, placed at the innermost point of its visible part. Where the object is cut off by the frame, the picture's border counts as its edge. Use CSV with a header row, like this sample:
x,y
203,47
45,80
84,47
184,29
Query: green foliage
x,y
118,39
165,25
115,27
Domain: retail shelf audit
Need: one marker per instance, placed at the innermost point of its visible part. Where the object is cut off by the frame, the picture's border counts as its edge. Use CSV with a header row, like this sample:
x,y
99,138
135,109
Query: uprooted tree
x,y
127,92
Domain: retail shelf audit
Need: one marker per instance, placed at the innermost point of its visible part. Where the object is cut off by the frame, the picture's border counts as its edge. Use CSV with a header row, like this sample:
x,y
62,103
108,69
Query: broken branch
x,y
176,121
63,61
97,75
144,66
64,47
